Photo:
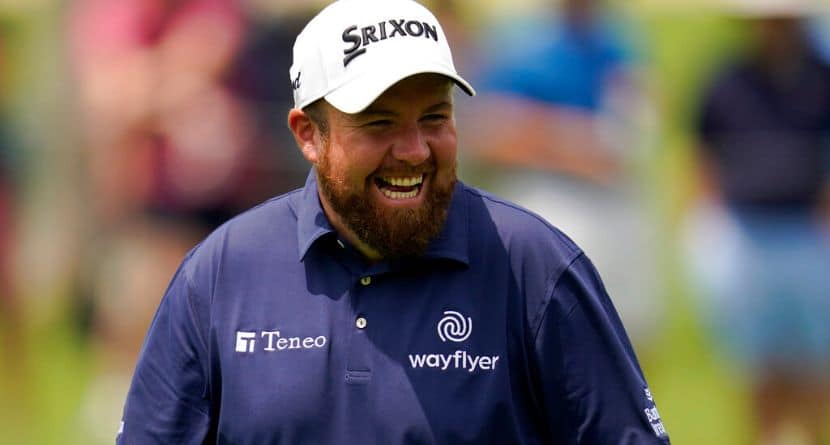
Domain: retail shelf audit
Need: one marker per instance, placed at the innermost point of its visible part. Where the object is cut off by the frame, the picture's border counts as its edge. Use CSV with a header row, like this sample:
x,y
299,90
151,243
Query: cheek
x,y
444,146
351,162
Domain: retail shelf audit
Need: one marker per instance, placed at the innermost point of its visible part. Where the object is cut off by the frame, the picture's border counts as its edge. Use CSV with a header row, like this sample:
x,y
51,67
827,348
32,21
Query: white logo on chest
x,y
455,327
246,341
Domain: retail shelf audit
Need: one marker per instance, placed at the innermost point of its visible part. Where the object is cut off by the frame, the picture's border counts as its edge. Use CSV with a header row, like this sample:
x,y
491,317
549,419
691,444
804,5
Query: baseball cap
x,y
354,50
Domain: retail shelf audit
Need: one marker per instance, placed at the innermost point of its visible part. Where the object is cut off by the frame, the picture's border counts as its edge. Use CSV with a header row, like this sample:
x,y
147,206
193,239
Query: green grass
x,y
42,388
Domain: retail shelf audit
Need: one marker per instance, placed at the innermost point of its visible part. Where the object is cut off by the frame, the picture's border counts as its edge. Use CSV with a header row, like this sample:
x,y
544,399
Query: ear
x,y
305,132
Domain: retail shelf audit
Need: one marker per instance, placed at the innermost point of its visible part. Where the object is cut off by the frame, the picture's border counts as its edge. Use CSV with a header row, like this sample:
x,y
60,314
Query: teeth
x,y
404,182
399,195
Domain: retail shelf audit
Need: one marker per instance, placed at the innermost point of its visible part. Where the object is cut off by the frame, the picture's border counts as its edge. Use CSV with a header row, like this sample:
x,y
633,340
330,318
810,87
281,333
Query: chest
x,y
378,358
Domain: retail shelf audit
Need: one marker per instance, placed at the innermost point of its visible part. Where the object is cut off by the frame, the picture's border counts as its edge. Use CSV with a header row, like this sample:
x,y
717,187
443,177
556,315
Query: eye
x,y
380,123
435,118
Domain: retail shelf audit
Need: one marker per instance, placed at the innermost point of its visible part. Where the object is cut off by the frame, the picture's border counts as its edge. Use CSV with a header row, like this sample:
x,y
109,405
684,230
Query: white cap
x,y
772,8
354,50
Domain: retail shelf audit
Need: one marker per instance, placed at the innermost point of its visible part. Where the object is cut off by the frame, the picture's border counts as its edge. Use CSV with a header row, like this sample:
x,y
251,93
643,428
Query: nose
x,y
411,147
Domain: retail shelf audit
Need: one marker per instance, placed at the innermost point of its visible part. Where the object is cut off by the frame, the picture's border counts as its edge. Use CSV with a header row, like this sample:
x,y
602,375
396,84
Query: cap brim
x,y
357,94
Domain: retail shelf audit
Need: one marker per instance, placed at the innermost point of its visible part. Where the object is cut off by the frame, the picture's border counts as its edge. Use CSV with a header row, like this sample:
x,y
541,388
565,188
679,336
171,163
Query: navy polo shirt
x,y
274,331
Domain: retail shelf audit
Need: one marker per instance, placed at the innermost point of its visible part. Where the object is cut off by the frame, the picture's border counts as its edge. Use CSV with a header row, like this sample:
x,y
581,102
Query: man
x,y
385,302
763,127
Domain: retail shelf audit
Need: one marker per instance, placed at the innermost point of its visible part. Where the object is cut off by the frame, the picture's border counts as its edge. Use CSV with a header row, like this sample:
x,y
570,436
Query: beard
x,y
392,232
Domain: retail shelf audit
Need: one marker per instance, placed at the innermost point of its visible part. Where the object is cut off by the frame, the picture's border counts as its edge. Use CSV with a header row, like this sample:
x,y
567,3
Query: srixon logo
x,y
360,38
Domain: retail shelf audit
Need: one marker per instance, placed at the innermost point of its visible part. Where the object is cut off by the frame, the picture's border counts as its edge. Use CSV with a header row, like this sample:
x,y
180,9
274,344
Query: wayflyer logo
x,y
454,327
457,328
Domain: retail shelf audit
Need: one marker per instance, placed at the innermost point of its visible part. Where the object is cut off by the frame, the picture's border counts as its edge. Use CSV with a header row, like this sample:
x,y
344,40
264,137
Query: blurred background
x,y
684,144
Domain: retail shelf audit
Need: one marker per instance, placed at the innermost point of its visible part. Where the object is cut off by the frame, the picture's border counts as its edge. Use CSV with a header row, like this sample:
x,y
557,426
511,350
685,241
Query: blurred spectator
x,y
183,126
162,131
164,139
258,79
761,236
9,313
571,59
458,23
10,304
563,115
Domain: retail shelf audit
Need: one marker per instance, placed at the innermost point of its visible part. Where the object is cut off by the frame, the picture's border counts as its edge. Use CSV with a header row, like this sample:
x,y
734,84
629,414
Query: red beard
x,y
392,232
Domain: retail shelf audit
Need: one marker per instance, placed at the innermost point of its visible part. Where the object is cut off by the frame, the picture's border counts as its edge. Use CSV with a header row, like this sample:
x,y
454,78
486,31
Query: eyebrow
x,y
439,106
380,112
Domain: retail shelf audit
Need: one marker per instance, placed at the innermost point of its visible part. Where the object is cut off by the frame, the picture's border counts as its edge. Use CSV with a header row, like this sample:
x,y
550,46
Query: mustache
x,y
404,169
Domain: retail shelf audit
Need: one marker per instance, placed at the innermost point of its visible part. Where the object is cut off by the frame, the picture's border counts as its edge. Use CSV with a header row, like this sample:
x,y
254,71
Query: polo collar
x,y
312,224
452,242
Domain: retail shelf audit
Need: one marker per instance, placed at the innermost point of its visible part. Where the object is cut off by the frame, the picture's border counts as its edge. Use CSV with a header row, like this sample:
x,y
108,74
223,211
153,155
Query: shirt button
x,y
366,281
360,323
340,244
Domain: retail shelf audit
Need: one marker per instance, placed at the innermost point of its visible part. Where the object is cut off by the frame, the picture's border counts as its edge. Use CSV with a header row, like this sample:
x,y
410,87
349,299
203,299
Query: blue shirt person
x,y
571,60
385,301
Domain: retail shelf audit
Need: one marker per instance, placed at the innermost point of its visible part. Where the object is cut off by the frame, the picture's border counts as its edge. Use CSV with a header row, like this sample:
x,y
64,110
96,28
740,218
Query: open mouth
x,y
400,187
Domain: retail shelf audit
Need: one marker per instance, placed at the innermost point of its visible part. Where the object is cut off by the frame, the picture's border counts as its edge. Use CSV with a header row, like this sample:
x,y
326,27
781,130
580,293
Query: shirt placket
x,y
359,360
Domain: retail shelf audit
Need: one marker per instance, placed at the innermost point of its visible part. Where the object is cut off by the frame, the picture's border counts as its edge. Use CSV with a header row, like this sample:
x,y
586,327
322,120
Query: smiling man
x,y
385,302
387,173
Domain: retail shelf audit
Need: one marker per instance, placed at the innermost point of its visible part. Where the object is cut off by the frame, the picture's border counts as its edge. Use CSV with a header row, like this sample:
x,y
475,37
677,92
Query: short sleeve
x,y
593,388
168,399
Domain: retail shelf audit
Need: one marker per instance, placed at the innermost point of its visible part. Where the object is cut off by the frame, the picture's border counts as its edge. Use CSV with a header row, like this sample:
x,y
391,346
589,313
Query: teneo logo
x,y
360,38
457,328
274,341
454,327
245,341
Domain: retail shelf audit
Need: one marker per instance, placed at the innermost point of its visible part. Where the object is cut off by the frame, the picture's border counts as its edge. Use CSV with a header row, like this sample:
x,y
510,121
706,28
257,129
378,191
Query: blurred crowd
x,y
167,117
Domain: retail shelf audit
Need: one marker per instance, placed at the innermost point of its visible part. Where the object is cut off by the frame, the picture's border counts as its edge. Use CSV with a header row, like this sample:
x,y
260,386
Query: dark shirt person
x,y
764,129
385,302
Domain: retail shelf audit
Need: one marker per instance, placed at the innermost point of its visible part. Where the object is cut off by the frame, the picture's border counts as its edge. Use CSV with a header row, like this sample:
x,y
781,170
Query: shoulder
x,y
515,224
732,75
529,242
261,234
267,219
727,91
536,254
